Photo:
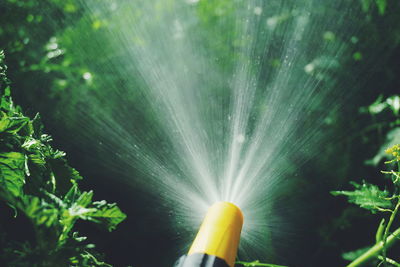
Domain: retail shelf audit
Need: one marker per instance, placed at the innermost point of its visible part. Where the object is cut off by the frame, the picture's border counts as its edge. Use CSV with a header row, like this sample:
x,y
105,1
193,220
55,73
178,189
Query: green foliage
x,y
370,197
367,196
37,182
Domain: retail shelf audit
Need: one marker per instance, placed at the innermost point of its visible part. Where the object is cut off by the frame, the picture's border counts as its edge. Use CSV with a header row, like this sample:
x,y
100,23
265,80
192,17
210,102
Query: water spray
x,y
217,241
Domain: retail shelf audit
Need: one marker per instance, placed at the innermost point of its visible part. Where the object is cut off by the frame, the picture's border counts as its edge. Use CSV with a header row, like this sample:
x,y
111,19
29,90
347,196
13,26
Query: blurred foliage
x,y
37,183
47,66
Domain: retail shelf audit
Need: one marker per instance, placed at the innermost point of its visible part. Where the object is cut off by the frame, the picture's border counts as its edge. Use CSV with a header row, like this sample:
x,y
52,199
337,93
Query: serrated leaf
x,y
81,206
79,211
367,196
72,195
40,211
12,124
84,199
109,214
12,172
31,144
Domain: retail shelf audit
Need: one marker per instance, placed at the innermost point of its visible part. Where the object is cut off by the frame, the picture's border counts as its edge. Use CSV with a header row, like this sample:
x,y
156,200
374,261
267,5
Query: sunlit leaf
x,y
367,196
11,124
108,214
12,172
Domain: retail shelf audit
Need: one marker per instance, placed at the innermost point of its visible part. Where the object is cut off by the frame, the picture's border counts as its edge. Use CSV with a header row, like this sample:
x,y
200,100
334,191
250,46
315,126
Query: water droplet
x,y
240,138
257,10
87,76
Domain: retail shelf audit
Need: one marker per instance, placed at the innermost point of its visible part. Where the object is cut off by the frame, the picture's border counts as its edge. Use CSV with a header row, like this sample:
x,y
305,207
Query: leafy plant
x,y
39,185
372,198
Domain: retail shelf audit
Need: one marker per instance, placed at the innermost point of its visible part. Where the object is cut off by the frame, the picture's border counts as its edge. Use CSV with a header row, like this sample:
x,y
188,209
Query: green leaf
x,y
108,214
12,124
367,196
81,206
380,231
32,145
40,211
84,199
75,204
6,103
377,107
37,126
73,194
12,172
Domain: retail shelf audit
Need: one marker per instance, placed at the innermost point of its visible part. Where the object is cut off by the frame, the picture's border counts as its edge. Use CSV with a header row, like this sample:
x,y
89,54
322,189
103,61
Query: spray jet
x,y
217,241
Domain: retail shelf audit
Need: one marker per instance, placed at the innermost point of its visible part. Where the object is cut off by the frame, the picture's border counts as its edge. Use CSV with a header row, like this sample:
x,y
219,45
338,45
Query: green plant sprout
x,y
370,197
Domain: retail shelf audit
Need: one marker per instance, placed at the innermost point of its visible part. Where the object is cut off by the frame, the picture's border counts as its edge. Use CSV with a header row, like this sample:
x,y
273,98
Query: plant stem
x,y
386,233
391,261
376,249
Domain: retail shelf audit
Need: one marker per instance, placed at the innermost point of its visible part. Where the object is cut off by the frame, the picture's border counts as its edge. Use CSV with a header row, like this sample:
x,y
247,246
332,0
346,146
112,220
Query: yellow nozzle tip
x,y
219,233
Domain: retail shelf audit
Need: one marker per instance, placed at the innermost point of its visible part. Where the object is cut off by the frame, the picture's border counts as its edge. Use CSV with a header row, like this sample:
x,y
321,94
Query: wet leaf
x,y
107,214
12,172
367,196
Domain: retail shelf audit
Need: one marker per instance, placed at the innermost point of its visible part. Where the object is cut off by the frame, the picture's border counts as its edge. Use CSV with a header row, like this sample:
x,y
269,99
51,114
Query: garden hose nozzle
x,y
217,241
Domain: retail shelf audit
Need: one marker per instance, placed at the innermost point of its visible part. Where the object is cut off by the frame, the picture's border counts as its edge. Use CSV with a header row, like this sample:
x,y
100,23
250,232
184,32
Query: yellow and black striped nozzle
x,y
217,241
